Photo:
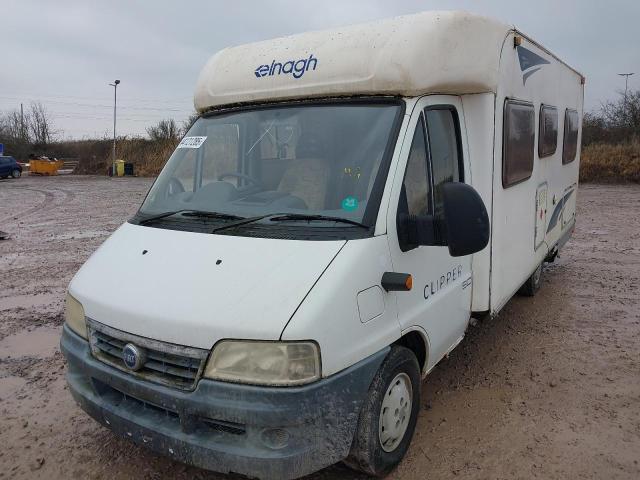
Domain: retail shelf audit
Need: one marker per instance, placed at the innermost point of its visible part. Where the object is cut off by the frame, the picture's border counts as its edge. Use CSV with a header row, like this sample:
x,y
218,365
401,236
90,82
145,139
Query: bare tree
x,y
621,113
164,130
188,123
39,125
16,127
616,121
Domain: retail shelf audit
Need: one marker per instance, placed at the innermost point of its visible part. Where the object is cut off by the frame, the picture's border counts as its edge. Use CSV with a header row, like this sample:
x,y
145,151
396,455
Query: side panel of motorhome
x,y
479,112
533,196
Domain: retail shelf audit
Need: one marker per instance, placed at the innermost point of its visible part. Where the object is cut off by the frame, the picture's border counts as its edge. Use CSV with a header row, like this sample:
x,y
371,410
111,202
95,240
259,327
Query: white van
x,y
320,239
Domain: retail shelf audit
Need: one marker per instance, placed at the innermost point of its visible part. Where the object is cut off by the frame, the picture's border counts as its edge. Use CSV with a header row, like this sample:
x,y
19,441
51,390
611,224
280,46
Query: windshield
x,y
304,160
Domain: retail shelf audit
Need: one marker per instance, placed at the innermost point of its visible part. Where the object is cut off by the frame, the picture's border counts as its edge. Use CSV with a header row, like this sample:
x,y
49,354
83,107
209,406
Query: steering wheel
x,y
251,180
174,187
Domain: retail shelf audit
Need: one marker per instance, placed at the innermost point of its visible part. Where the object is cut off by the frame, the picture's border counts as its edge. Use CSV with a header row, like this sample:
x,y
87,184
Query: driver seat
x,y
307,176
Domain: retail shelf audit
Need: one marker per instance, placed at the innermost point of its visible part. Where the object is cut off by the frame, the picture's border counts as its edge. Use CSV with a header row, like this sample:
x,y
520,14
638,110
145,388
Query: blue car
x,y
9,166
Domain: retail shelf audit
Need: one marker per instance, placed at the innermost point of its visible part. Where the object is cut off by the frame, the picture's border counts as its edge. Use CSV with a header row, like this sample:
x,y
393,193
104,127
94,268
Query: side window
x,y
446,165
570,142
415,197
548,131
518,139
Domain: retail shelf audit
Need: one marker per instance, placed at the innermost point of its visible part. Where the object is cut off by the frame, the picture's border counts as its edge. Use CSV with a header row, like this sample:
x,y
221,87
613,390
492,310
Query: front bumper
x,y
263,432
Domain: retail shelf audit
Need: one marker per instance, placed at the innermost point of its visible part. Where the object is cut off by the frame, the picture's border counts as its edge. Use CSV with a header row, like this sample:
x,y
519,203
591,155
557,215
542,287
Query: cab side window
x,y
435,158
444,147
415,198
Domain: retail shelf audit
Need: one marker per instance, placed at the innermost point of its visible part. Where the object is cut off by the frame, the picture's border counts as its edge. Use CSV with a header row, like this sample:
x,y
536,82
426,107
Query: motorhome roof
x,y
430,52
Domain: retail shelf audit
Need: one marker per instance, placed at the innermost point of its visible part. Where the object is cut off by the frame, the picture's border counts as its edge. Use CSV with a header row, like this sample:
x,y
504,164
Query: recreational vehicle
x,y
320,239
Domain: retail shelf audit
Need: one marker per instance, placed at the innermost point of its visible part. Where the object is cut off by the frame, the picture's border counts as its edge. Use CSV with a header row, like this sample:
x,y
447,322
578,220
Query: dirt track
x,y
548,389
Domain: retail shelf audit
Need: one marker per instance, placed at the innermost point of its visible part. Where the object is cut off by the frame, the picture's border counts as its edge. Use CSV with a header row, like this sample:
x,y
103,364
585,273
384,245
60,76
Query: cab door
x,y
433,153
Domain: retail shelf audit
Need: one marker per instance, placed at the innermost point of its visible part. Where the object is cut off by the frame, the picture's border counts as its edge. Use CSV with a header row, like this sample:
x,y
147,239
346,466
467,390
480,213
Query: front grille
x,y
166,363
224,427
120,399
168,416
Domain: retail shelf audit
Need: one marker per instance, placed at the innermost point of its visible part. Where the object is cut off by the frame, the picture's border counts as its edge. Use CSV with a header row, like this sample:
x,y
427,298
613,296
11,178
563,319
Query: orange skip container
x,y
44,167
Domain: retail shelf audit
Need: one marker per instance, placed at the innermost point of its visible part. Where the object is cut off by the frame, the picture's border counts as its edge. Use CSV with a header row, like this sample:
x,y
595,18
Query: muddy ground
x,y
548,389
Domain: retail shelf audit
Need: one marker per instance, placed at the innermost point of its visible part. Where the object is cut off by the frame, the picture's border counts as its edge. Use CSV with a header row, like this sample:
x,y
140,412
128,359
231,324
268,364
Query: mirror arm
x,y
416,230
439,232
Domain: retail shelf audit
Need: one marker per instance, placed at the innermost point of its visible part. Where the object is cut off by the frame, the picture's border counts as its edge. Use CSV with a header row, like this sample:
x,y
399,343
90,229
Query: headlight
x,y
74,316
264,363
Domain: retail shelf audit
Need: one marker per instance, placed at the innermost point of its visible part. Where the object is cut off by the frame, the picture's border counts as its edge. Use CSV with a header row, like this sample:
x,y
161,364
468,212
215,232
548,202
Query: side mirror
x,y
463,226
465,219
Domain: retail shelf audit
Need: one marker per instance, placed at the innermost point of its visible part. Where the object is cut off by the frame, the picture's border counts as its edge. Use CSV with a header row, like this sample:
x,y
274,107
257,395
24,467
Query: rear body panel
x,y
531,74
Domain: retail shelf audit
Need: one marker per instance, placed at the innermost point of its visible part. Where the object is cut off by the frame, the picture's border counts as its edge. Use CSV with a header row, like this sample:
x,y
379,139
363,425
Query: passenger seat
x,y
307,177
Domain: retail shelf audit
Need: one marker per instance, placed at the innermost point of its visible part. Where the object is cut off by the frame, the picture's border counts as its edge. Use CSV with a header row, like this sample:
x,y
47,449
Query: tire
x,y
16,173
532,285
398,373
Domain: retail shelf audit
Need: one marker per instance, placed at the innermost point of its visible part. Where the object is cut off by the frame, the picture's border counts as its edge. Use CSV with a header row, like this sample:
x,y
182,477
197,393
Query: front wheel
x,y
388,416
16,173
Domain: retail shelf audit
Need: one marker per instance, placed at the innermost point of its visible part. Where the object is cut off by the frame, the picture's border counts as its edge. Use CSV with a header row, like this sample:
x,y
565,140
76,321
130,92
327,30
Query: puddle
x,y
39,342
28,301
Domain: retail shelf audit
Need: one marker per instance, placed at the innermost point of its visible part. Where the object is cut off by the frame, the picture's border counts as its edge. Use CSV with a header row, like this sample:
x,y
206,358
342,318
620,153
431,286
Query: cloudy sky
x,y
64,53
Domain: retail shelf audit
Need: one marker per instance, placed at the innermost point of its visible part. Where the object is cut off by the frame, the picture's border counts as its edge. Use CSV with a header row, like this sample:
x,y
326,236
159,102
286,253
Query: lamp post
x,y
626,86
115,96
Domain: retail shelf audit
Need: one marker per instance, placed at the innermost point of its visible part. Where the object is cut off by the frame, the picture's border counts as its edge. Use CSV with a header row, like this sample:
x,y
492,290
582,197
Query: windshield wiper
x,y
309,217
276,217
244,221
191,213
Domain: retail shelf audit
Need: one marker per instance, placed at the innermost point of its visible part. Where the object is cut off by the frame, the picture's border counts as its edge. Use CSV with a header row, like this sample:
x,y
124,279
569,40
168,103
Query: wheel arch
x,y
416,340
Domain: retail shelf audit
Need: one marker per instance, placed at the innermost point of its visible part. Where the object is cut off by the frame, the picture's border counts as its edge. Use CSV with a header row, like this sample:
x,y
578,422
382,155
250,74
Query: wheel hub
x,y
395,412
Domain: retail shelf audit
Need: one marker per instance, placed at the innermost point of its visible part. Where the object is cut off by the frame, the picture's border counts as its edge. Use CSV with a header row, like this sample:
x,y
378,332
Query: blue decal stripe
x,y
528,74
529,59
558,210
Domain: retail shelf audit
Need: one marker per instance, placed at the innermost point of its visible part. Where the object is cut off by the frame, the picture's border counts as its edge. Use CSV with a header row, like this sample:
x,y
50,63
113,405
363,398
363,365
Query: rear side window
x,y
444,149
570,142
518,142
548,132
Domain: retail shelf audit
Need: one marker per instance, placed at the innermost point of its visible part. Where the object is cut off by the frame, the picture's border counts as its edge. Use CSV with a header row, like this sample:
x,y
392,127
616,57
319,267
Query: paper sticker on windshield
x,y
192,142
349,204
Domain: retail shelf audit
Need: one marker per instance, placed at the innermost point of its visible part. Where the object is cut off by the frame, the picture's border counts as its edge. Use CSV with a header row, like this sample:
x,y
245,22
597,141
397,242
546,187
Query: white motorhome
x,y
320,239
